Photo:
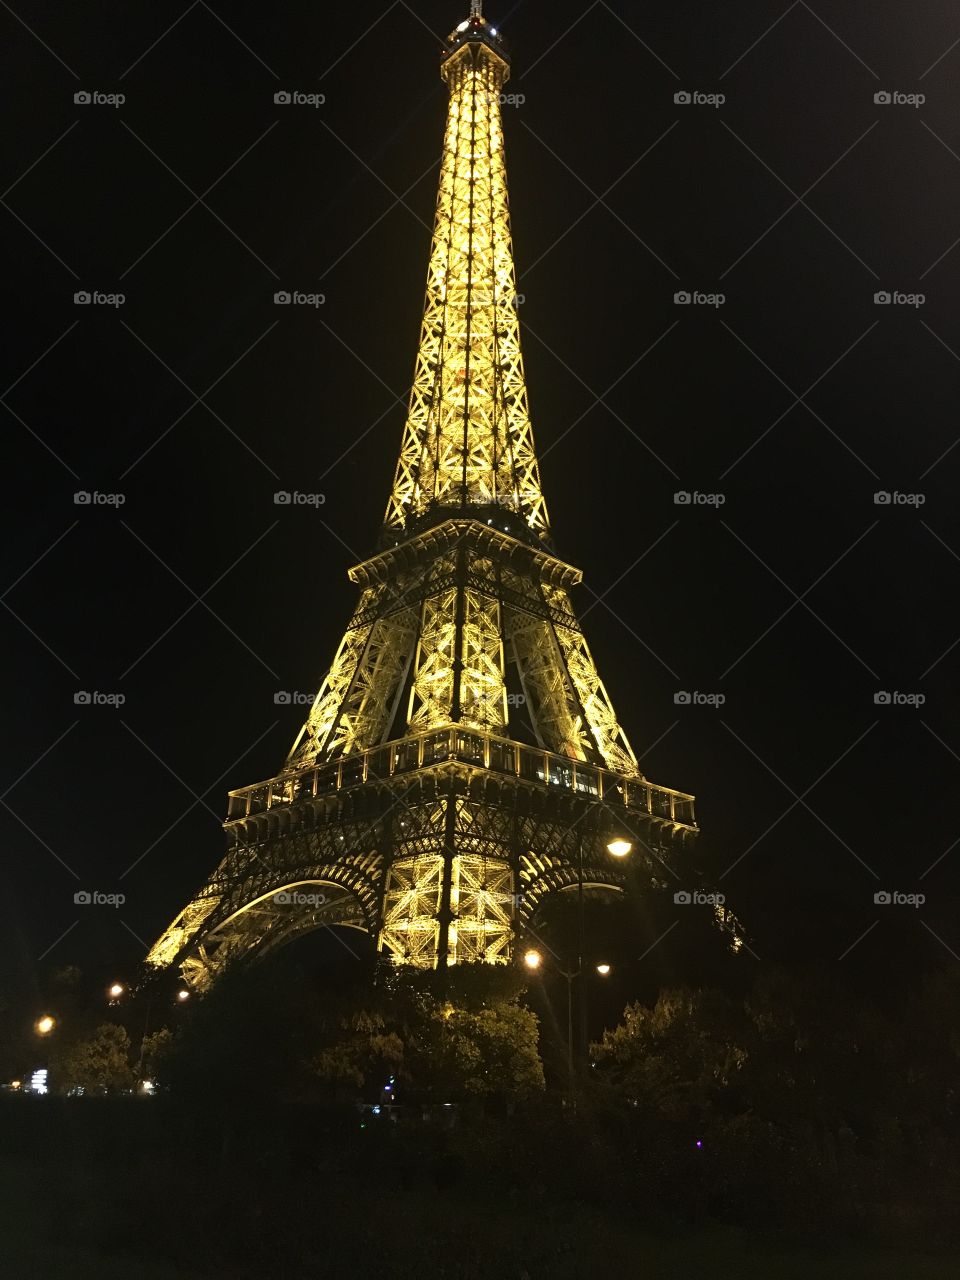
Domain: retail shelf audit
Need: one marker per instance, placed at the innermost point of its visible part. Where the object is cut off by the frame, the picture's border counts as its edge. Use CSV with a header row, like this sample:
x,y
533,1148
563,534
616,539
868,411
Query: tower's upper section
x,y
475,30
468,444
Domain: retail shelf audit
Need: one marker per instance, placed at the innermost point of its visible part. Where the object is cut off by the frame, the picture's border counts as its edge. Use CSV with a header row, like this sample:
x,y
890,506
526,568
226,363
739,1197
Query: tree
x,y
99,1064
361,1053
455,1053
155,1053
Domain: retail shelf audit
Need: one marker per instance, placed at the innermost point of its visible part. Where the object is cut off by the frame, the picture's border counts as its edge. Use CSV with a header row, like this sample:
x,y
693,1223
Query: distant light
x,y
619,847
463,25
699,1143
183,995
116,991
38,1081
603,969
493,31
45,1025
533,959
147,1086
376,1111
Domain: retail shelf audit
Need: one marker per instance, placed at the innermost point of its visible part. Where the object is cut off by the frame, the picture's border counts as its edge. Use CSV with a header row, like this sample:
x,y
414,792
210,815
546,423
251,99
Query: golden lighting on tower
x,y
463,705
468,439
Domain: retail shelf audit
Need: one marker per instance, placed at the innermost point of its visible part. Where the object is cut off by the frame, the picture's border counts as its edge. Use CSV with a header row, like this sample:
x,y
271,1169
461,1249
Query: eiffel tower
x,y
462,759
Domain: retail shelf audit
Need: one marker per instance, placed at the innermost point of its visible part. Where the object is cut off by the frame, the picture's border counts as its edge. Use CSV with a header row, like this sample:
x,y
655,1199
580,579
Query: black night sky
x,y
798,599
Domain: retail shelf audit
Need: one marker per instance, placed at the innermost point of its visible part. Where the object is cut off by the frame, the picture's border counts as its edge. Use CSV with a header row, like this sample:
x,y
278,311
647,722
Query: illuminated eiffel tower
x,y
462,759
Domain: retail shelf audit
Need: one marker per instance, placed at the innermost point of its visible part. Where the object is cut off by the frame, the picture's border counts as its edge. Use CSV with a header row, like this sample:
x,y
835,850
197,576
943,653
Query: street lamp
x,y
533,959
183,995
115,991
44,1025
618,846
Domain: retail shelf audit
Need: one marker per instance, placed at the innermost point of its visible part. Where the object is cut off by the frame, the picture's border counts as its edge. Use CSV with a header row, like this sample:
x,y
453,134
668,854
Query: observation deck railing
x,y
469,746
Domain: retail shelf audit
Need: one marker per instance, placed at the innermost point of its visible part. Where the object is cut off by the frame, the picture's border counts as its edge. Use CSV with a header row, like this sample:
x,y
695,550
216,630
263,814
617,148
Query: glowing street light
x,y
533,959
619,847
43,1026
603,969
183,995
116,990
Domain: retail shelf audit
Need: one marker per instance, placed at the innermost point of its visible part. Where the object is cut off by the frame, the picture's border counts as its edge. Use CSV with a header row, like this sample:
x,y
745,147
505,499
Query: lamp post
x,y
533,959
618,846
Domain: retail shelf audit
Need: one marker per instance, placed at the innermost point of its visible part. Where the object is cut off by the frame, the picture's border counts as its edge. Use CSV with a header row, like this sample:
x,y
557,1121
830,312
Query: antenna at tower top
x,y
475,9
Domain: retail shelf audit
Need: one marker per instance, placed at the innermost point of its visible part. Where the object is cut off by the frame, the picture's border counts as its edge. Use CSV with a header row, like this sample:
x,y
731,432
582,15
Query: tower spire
x,y
468,443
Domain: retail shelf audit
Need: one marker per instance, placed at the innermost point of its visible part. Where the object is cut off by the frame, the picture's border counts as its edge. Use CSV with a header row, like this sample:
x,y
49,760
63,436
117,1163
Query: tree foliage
x,y
99,1064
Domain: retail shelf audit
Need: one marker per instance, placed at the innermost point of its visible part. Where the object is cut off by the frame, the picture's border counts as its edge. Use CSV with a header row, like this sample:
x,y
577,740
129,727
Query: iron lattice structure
x,y
462,758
